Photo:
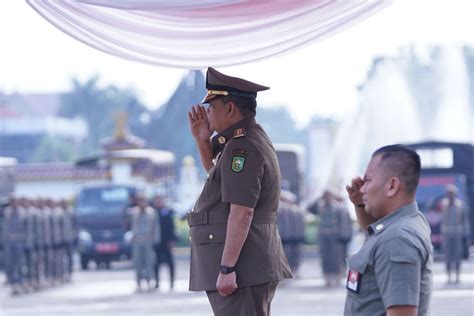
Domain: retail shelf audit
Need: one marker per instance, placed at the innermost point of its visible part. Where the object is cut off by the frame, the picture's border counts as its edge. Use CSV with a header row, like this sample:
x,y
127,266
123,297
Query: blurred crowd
x,y
39,236
334,232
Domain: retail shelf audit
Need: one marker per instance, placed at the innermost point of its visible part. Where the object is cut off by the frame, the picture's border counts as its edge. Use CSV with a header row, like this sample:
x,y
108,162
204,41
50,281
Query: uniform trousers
x,y
31,264
453,244
49,262
293,253
41,264
164,255
14,262
246,301
143,259
69,250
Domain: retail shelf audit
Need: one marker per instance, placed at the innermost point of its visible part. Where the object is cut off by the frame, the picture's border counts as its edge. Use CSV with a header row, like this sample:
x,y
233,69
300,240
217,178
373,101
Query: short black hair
x,y
403,162
247,106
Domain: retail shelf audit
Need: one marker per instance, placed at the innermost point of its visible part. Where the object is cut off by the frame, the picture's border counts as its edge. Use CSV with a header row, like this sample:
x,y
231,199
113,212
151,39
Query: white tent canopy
x,y
198,33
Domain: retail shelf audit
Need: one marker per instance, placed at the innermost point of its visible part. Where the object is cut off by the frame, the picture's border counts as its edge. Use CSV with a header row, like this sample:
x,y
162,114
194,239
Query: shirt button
x,y
189,238
211,237
379,227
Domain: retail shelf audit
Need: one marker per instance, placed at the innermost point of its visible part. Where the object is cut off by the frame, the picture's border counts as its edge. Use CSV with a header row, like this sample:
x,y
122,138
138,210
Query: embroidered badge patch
x,y
238,163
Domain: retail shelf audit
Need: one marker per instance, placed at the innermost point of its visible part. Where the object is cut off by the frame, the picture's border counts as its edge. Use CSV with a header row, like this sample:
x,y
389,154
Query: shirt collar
x,y
220,140
392,218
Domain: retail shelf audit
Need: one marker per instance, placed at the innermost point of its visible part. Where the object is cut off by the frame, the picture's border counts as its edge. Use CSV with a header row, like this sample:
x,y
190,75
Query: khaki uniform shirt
x,y
246,172
393,267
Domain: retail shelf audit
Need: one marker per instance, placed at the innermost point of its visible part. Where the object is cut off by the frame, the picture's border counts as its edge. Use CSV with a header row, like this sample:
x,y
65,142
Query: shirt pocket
x,y
404,267
403,259
212,187
360,263
210,234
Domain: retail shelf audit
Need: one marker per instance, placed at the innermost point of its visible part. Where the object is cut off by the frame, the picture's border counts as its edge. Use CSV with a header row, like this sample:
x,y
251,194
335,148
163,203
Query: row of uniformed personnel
x,y
290,221
38,239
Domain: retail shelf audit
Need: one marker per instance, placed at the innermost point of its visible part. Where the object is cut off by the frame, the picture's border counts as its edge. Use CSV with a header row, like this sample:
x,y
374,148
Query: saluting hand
x,y
199,123
355,195
226,284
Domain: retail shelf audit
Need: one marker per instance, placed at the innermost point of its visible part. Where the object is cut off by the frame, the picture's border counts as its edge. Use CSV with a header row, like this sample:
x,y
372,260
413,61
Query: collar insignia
x,y
221,140
240,132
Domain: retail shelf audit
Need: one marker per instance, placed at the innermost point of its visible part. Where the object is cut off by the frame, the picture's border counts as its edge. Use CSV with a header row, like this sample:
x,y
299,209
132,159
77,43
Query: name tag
x,y
353,281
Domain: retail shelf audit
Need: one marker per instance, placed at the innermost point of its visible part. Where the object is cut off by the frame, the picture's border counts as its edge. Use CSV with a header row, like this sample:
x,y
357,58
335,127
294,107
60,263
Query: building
x,y
123,160
26,119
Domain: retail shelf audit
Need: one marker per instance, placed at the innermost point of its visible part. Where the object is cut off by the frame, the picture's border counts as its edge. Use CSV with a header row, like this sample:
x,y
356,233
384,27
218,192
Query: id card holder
x,y
353,281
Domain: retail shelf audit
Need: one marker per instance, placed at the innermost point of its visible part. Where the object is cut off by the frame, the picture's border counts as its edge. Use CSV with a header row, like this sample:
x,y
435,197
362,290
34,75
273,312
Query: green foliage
x,y
98,106
53,150
311,230
182,232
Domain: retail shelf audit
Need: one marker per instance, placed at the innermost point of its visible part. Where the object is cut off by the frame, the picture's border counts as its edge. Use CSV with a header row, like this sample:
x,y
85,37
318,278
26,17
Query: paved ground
x,y
112,293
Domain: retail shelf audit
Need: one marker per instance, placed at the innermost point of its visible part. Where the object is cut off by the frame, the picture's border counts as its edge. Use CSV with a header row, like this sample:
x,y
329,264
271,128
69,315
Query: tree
x,y
53,150
97,106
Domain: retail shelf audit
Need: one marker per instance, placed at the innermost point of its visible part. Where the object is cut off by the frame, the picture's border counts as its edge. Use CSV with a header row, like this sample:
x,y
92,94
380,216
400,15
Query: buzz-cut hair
x,y
246,106
402,162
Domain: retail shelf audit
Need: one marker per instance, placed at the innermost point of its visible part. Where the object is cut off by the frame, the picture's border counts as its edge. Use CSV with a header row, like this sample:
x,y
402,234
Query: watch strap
x,y
225,269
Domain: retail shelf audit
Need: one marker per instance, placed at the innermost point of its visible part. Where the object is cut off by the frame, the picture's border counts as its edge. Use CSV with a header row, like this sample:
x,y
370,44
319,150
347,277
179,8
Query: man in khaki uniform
x,y
236,251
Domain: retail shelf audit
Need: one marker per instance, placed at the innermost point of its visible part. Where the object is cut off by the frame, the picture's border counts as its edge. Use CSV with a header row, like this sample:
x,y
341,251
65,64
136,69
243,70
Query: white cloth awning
x,y
199,33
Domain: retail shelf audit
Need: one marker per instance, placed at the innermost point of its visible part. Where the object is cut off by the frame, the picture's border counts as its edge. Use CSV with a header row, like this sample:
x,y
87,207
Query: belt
x,y
220,217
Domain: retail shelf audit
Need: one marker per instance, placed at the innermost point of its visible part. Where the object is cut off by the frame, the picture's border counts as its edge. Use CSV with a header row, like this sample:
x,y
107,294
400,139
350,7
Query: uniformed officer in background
x,y
145,229
40,242
455,229
48,241
291,228
164,249
31,255
334,231
14,235
236,251
69,235
391,274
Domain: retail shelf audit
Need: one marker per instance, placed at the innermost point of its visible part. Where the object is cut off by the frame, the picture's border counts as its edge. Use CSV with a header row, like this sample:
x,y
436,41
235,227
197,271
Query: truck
x,y
101,215
102,209
442,164
291,160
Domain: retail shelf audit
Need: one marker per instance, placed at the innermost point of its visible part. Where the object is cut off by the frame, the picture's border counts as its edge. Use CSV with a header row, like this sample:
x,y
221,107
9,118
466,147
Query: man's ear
x,y
393,186
231,108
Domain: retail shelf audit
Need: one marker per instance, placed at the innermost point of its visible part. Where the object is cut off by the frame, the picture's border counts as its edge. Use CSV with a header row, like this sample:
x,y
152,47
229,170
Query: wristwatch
x,y
225,269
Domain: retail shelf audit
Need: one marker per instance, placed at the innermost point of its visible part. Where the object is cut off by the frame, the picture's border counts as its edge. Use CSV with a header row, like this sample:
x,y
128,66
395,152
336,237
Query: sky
x,y
320,79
